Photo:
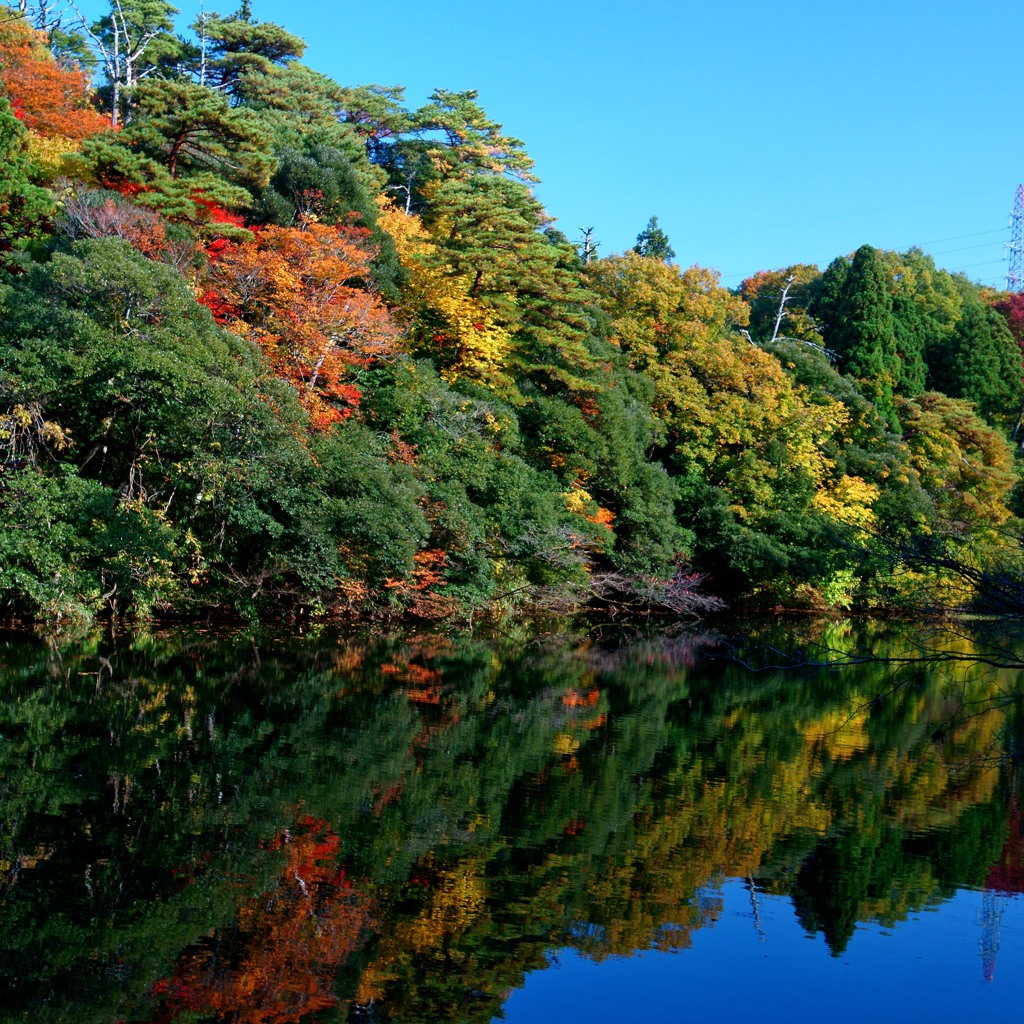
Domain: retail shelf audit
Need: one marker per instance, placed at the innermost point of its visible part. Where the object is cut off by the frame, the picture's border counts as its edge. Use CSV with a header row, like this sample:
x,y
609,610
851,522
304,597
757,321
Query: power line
x,y
940,252
987,263
956,238
965,248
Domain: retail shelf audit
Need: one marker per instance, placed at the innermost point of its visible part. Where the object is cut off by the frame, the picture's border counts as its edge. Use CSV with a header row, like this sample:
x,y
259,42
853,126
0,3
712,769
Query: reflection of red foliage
x,y
279,961
575,699
418,675
386,796
1007,874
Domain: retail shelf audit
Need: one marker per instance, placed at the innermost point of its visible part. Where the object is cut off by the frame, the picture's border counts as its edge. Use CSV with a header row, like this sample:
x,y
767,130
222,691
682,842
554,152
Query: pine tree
x,y
24,207
185,149
653,243
236,46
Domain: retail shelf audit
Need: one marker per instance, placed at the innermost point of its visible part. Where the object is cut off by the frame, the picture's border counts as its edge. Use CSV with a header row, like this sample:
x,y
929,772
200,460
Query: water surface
x,y
574,827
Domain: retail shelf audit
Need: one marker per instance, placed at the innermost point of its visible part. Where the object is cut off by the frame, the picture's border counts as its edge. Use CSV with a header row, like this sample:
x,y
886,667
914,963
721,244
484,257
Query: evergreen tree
x,y
187,148
653,243
824,307
925,306
24,207
298,109
488,229
236,46
911,324
864,336
981,362
131,41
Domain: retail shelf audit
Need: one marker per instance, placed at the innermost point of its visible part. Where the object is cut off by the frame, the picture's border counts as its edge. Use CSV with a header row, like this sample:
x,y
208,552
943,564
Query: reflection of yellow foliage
x,y
27,861
841,731
456,902
457,899
564,744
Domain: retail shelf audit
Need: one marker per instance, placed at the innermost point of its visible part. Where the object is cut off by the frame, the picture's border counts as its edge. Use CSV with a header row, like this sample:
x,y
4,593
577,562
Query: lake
x,y
589,824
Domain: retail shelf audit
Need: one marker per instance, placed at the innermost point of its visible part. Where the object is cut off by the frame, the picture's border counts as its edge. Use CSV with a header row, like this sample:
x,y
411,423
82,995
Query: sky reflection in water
x,y
929,967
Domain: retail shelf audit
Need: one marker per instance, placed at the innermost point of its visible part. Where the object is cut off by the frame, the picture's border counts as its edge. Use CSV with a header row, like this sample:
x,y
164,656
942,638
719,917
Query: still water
x,y
537,827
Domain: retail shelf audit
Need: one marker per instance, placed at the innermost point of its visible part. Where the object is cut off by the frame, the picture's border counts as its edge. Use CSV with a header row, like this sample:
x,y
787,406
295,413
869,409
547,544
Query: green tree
x,y
299,108
321,183
376,113
24,207
178,423
824,305
746,444
981,361
925,305
131,42
449,137
653,243
488,232
185,148
864,332
237,46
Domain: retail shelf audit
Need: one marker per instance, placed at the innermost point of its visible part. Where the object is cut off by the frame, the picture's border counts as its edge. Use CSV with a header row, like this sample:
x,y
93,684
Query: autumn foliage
x,y
410,394
304,295
280,960
46,98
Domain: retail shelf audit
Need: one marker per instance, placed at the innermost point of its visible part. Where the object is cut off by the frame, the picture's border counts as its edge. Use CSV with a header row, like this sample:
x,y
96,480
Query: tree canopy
x,y
296,345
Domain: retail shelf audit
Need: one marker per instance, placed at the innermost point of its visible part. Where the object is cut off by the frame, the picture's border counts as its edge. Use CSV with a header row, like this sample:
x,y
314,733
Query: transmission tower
x,y
1015,248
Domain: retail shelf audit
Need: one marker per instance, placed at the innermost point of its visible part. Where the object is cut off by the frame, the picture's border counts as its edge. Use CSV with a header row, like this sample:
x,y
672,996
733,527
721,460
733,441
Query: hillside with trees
x,y
272,344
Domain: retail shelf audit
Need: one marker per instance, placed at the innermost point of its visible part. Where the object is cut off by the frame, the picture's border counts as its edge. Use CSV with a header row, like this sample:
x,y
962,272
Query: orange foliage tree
x,y
46,98
303,294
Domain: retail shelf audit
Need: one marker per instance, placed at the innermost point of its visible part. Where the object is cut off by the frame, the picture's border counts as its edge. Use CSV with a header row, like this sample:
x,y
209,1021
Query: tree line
x,y
271,343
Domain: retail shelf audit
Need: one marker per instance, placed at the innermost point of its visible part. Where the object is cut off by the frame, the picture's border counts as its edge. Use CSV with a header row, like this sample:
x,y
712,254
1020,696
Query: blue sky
x,y
760,133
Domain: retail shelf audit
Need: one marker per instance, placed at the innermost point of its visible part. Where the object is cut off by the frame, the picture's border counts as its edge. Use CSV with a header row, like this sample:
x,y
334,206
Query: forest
x,y
271,344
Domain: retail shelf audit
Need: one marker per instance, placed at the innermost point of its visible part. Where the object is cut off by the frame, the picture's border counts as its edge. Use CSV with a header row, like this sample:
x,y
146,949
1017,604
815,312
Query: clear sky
x,y
760,133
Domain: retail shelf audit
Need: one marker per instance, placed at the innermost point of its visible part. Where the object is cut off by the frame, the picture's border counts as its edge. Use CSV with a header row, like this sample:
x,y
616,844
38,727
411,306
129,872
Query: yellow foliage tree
x,y
443,319
729,407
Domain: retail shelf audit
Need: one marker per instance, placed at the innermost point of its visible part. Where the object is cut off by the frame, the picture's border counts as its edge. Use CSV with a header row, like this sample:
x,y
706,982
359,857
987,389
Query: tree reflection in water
x,y
399,829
